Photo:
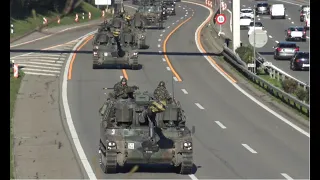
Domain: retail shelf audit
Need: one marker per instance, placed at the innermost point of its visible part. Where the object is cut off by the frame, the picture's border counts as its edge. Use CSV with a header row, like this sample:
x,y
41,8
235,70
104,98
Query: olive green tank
x,y
131,132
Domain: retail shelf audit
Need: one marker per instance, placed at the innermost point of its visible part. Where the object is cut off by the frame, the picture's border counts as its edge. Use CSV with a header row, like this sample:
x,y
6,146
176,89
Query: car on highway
x,y
307,25
245,22
248,12
300,61
252,27
296,33
305,9
285,50
262,8
277,11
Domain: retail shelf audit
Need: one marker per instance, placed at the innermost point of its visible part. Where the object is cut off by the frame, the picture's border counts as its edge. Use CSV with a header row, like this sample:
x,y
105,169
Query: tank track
x,y
111,166
186,164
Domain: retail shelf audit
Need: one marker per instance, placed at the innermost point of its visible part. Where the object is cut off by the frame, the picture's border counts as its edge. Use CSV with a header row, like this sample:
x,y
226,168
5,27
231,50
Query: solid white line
x,y
184,91
42,67
175,78
163,59
43,56
277,41
193,177
236,85
121,77
36,60
308,37
220,124
270,36
199,105
286,176
289,18
40,70
158,45
71,127
168,69
39,63
249,148
41,74
161,35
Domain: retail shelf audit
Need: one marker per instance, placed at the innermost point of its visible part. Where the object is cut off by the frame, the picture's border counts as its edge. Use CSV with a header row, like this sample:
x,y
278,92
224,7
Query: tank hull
x,y
125,62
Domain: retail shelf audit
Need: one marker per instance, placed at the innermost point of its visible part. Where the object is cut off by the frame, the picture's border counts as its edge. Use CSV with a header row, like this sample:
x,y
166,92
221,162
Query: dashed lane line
x,y
286,176
249,148
184,91
199,105
220,124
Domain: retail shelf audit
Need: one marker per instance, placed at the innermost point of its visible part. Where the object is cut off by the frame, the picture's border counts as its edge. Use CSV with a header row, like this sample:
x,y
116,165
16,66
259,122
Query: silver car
x,y
285,50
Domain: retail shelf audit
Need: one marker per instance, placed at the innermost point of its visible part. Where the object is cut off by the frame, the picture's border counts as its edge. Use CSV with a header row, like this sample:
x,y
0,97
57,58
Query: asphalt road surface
x,y
276,32
234,139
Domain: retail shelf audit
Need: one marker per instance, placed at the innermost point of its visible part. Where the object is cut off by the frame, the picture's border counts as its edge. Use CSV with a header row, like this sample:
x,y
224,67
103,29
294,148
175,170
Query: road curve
x,y
275,30
234,139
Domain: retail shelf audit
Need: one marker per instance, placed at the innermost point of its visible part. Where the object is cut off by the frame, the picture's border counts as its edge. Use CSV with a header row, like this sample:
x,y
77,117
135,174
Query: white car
x,y
277,11
253,27
246,13
245,22
307,26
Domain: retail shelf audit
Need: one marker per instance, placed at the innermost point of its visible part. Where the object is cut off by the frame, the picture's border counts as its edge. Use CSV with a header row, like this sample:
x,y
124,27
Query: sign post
x,y
220,19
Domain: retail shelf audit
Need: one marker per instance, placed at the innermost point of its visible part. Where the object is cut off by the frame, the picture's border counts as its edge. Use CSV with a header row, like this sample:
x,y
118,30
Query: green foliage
x,y
301,94
289,85
245,53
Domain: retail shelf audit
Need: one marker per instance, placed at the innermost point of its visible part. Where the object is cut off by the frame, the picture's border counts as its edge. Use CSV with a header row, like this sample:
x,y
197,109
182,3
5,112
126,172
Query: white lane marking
x,y
158,45
249,148
220,124
161,35
164,31
258,16
177,20
230,25
41,74
243,5
168,68
193,177
270,36
41,67
287,15
289,18
184,91
236,85
181,17
173,23
286,176
277,41
163,59
69,120
36,60
121,77
185,15
42,56
175,78
40,63
308,37
259,19
199,105
289,2
40,70
292,22
159,39
183,8
168,27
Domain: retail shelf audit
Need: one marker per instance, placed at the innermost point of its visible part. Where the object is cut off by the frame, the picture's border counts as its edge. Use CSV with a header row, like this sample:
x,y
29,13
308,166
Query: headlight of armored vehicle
x,y
111,145
187,145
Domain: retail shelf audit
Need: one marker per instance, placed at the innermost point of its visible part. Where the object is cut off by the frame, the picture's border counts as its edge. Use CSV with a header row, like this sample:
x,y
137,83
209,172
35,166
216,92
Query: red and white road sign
x,y
77,18
45,21
15,70
89,15
223,6
221,19
209,3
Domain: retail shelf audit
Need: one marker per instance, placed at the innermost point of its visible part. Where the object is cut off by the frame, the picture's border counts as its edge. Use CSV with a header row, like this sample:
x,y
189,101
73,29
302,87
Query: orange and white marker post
x,y
89,15
58,21
15,70
45,21
77,18
102,13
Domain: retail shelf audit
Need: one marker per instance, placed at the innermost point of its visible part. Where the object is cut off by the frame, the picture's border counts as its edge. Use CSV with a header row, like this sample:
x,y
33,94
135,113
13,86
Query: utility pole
x,y
235,24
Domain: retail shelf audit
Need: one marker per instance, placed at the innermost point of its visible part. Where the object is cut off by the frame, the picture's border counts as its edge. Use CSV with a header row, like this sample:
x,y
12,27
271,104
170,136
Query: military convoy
x,y
137,129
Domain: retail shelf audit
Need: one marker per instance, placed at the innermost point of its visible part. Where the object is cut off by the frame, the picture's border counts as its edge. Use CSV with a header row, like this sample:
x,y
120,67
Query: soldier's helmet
x,y
116,32
128,17
162,84
123,81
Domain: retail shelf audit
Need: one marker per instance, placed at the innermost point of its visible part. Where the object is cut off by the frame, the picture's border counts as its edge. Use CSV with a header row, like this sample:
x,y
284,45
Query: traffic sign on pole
x,y
221,19
223,6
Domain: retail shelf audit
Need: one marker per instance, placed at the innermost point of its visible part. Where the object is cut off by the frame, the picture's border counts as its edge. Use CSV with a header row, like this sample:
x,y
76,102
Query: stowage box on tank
x,y
127,136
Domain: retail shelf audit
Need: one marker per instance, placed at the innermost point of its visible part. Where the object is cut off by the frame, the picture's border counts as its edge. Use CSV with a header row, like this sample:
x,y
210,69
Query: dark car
x,y
263,8
285,50
300,61
296,33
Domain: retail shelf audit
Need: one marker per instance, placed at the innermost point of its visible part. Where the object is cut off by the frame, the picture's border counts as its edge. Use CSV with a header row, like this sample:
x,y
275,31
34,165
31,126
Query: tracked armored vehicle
x,y
114,50
152,15
130,135
170,7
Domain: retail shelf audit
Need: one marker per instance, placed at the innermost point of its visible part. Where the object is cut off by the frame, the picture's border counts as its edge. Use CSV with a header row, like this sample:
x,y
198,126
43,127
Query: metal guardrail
x,y
275,91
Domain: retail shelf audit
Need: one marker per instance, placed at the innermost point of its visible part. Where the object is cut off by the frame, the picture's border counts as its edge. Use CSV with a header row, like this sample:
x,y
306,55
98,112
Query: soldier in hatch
x,y
121,88
161,93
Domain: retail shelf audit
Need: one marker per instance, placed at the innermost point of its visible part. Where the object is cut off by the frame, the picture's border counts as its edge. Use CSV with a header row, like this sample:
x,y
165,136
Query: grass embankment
x,y
14,89
23,26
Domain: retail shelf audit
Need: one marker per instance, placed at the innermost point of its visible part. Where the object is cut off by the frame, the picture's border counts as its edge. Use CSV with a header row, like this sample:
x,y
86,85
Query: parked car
x,y
296,33
262,8
285,50
300,61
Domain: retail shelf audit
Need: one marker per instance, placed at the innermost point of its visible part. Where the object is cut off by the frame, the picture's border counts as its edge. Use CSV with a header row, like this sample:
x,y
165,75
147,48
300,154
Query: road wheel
x,y
186,164
275,57
110,167
292,67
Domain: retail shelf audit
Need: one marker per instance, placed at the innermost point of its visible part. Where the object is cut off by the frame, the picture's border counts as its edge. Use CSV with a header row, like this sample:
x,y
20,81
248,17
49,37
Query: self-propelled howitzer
x,y
129,134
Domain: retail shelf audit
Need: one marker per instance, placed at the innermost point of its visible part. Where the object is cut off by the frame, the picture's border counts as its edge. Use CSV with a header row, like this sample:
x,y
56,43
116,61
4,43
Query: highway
x,y
235,138
276,32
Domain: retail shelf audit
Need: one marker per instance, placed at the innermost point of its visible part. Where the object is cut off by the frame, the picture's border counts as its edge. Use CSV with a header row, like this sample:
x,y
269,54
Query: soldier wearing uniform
x,y
121,88
161,93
